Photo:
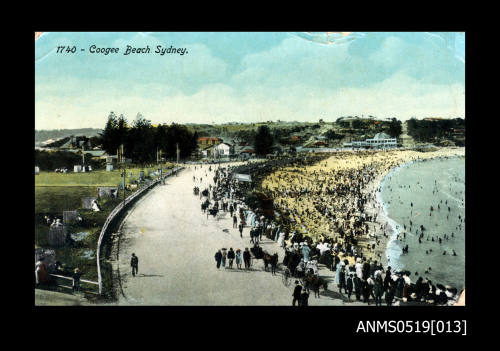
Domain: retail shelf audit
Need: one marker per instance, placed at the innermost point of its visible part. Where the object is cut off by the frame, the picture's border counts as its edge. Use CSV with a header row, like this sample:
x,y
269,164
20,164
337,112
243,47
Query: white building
x,y
223,149
379,141
382,140
218,151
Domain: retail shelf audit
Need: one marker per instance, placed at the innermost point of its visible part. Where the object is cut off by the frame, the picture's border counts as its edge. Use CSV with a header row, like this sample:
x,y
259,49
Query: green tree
x,y
357,124
331,135
139,141
109,135
194,143
395,128
263,141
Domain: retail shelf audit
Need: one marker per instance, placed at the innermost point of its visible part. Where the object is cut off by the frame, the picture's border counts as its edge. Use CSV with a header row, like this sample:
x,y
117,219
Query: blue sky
x,y
242,77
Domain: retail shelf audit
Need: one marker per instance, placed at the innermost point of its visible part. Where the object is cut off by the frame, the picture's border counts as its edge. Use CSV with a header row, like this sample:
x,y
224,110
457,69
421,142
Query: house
x,y
205,151
223,150
218,151
382,140
379,141
95,153
247,151
319,143
204,141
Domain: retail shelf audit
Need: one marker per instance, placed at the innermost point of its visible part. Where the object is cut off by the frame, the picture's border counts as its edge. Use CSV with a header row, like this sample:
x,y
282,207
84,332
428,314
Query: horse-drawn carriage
x,y
213,211
306,273
258,253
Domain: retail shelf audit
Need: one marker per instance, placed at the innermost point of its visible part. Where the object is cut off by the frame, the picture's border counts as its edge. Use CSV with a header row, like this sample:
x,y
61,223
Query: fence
x,y
117,210
70,278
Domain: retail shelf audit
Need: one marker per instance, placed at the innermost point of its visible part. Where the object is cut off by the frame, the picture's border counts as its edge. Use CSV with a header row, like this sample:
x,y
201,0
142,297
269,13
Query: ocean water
x,y
439,183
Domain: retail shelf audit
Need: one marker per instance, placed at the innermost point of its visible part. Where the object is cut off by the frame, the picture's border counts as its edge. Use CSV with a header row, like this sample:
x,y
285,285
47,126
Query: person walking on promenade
x,y
230,256
41,274
296,293
349,286
235,221
240,227
357,287
281,240
337,272
378,290
231,210
238,258
76,280
218,258
342,283
224,256
246,258
387,279
304,298
134,263
389,296
366,291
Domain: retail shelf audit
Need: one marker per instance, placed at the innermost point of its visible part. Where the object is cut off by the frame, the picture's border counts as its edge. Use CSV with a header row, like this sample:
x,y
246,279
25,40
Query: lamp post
x,y
123,175
177,152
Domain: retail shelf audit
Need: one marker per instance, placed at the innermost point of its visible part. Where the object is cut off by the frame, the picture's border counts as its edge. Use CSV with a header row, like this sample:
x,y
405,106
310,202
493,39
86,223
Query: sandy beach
x,y
317,225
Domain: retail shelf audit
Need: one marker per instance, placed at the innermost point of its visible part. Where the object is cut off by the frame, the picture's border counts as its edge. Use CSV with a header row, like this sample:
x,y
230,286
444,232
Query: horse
x,y
257,251
273,260
291,261
204,206
315,282
327,260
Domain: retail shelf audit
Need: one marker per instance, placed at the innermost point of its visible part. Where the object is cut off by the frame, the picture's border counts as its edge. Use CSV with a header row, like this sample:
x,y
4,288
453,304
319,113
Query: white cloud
x,y
399,96
297,80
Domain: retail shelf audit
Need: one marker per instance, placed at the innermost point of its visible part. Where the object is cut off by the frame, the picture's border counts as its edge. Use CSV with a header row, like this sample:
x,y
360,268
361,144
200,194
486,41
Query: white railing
x,y
70,278
117,210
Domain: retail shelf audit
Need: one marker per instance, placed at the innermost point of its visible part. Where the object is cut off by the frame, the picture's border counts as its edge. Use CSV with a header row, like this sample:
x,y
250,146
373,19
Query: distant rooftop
x,y
381,136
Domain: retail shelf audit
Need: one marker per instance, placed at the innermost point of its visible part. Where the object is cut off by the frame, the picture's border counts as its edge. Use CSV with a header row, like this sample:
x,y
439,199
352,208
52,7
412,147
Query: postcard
x,y
249,169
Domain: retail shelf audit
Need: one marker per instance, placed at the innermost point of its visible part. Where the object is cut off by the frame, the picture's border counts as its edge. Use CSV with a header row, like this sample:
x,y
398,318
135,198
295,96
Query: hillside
x,y
43,135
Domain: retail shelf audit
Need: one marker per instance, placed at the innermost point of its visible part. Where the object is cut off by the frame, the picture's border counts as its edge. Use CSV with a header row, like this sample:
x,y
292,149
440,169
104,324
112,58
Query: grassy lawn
x,y
94,178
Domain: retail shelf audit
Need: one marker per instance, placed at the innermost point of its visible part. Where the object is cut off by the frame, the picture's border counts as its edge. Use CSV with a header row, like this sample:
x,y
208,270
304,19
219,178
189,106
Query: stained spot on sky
x,y
329,38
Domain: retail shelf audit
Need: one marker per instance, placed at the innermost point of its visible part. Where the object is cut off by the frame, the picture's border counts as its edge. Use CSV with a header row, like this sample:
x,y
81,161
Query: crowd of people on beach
x,y
329,212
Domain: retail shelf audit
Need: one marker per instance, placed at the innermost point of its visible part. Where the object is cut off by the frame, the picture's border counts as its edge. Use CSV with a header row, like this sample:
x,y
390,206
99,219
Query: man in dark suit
x,y
349,286
246,258
296,293
134,263
304,297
